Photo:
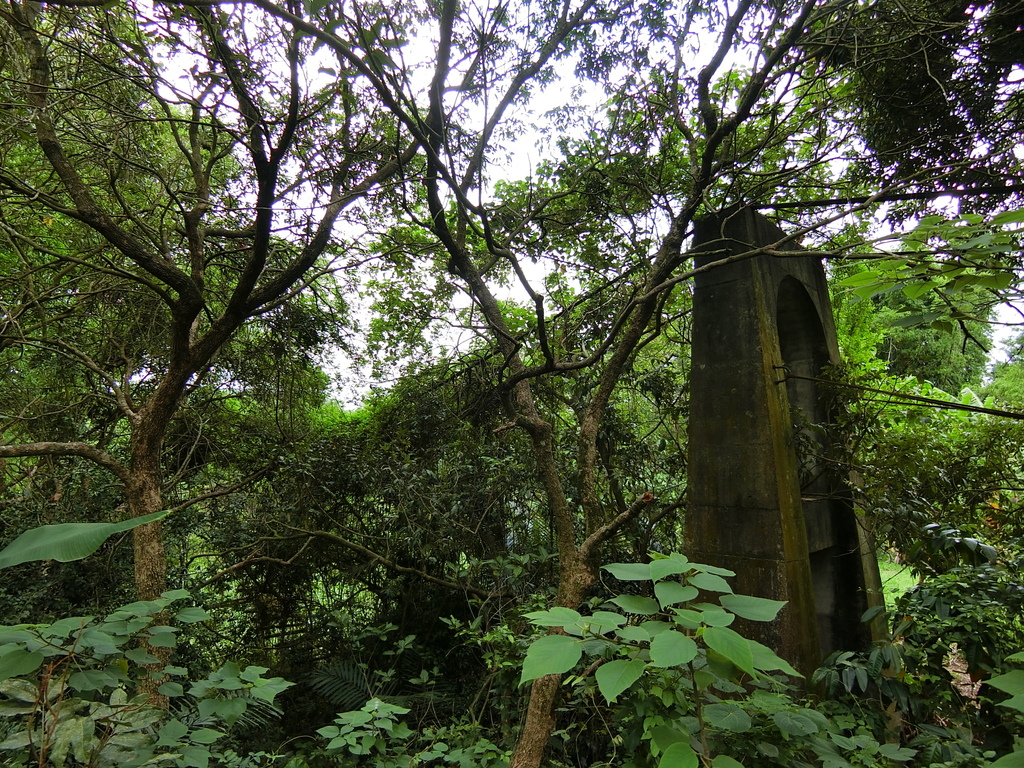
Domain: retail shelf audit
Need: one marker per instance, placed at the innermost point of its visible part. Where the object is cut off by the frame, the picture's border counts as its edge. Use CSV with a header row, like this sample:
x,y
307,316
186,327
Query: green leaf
x,y
704,568
998,281
732,646
602,621
19,662
670,649
767,749
555,617
550,655
669,566
141,656
379,59
269,688
171,690
1008,217
228,709
92,680
630,571
710,582
688,619
714,615
191,615
1012,682
765,658
19,690
867,277
645,606
672,592
665,736
64,627
313,7
142,608
678,755
616,676
752,608
918,289
727,716
654,628
163,640
205,736
917,318
253,673
794,723
102,642
171,733
633,634
1014,702
67,541
896,752
16,634
724,761
1012,760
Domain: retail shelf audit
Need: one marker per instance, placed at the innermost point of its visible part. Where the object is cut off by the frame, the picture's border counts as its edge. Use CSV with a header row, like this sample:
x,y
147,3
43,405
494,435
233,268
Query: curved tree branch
x,y
84,450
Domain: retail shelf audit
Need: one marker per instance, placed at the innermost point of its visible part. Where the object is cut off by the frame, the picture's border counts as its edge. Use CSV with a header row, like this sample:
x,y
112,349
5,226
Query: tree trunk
x,y
539,723
144,491
145,497
575,577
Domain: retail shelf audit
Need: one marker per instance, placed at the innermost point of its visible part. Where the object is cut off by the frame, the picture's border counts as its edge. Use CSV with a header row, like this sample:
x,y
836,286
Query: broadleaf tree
x,y
160,191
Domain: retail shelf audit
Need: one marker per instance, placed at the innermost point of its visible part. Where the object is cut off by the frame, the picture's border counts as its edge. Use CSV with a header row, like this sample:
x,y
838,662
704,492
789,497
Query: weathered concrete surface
x,y
777,516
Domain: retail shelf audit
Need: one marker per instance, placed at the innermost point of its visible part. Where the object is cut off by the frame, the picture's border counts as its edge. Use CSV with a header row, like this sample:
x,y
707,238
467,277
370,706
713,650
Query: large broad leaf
x,y
191,615
714,615
600,622
1014,702
672,592
19,662
556,617
752,608
678,755
616,676
669,566
795,723
629,571
1012,682
671,648
645,606
664,736
633,634
1011,760
732,646
728,717
710,582
550,655
765,658
68,541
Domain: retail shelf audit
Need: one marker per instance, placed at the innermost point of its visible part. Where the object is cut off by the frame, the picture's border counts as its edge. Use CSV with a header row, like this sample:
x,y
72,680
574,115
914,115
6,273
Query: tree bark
x,y
575,576
539,723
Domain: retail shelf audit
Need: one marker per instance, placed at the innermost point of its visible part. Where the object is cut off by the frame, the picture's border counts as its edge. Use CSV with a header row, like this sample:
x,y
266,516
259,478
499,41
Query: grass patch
x,y
896,579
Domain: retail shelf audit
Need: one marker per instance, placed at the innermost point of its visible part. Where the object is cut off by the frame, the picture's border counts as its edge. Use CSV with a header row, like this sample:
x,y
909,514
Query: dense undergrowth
x,y
655,677
321,660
